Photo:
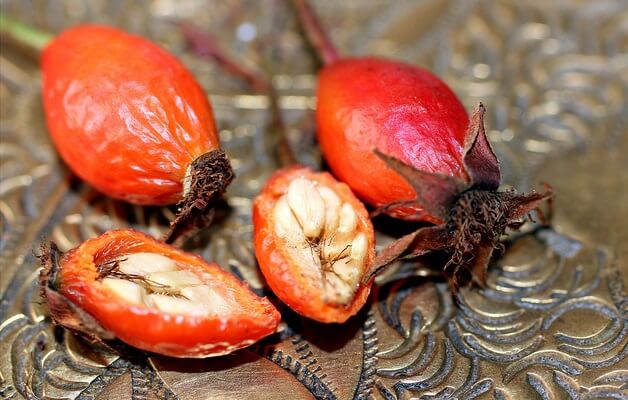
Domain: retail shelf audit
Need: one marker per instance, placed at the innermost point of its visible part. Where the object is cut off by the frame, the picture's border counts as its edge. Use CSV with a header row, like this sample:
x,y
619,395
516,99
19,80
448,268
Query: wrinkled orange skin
x,y
282,275
402,110
153,330
125,115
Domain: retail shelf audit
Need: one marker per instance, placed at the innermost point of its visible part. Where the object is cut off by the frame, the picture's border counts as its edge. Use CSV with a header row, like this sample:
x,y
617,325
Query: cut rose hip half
x,y
126,285
314,241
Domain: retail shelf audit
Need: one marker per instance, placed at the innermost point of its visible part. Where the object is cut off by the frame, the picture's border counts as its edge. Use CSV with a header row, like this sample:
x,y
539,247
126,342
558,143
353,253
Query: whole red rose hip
x,y
129,119
404,111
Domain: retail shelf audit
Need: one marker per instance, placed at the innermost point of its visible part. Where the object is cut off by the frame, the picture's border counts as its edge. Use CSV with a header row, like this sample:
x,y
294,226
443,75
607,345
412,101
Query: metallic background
x,y
552,322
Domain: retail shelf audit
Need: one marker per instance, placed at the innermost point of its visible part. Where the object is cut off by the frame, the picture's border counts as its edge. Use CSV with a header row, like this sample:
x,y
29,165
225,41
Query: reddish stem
x,y
315,33
284,150
204,45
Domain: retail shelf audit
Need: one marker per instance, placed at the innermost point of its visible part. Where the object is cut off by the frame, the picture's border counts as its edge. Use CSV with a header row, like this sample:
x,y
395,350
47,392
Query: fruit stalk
x,y
12,31
316,34
204,45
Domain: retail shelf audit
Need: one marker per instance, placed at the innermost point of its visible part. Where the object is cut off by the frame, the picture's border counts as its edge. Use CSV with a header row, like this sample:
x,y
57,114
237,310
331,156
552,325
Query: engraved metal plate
x,y
552,321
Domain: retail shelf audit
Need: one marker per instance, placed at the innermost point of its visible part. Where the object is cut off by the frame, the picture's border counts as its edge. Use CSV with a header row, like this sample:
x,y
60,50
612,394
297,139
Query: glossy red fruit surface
x,y
124,114
126,285
402,110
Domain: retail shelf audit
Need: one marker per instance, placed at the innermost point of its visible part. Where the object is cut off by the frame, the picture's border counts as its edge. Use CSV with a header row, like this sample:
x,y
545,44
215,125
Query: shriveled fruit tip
x,y
62,311
206,181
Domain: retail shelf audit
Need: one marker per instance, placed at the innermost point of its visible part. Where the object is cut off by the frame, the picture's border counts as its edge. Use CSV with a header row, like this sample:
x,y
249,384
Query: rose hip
x,y
126,285
475,214
404,111
371,103
129,119
400,138
314,242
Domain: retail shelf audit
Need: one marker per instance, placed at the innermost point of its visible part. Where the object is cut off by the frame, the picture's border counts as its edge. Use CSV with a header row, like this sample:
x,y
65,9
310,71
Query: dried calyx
x,y
323,237
205,182
62,311
474,214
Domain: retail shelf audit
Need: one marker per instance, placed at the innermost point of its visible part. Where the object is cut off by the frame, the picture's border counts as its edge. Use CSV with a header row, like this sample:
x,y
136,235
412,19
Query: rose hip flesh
x,y
314,242
126,285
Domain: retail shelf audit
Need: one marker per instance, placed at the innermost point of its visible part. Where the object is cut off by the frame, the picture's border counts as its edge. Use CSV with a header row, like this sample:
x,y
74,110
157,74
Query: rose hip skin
x,y
124,114
366,104
168,302
403,111
314,261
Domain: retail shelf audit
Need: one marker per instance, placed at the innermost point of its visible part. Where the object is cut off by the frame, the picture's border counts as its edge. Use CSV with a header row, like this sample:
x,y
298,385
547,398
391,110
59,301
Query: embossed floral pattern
x,y
552,320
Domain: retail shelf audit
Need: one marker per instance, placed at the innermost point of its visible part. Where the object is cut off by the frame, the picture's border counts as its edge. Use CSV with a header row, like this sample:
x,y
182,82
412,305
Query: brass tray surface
x,y
552,322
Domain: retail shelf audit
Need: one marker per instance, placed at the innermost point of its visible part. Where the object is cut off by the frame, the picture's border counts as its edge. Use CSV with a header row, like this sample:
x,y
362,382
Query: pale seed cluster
x,y
323,238
156,281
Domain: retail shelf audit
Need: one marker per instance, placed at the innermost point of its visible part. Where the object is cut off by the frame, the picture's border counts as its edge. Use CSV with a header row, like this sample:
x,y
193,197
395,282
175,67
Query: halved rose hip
x,y
126,285
314,241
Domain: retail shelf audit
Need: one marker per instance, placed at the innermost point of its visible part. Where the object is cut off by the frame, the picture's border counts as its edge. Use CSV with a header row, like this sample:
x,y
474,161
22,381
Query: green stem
x,y
23,34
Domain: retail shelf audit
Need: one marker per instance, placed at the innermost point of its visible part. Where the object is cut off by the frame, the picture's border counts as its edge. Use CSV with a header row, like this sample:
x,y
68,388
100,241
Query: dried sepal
x,y
521,205
461,272
385,208
412,245
480,160
390,253
479,264
436,193
62,311
432,238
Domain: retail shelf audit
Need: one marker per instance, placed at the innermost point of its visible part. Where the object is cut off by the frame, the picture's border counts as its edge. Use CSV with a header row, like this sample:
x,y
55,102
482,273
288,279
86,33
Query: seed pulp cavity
x,y
323,238
155,281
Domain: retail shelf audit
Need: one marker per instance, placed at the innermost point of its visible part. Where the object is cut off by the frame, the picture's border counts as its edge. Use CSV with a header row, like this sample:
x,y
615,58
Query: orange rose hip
x,y
131,120
314,242
126,285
